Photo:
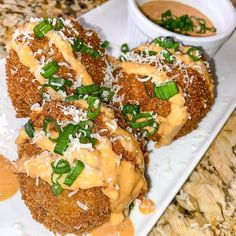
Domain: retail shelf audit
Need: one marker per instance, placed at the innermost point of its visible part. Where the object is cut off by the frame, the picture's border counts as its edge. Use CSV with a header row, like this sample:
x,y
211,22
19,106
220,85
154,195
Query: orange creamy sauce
x,y
147,206
155,9
126,228
8,181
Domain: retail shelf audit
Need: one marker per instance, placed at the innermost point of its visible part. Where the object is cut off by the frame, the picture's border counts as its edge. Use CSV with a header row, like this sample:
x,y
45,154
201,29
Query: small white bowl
x,y
220,12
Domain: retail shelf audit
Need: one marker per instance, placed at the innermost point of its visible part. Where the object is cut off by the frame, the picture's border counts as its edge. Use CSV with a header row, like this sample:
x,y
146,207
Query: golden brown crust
x,y
134,91
198,98
62,214
22,91
22,87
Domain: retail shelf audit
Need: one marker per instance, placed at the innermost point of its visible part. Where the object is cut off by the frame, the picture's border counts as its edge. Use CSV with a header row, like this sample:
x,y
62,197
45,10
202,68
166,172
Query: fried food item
x,y
171,82
76,51
111,178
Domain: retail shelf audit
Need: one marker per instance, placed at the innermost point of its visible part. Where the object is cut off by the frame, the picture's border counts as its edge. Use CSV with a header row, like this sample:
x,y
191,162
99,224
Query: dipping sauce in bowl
x,y
179,18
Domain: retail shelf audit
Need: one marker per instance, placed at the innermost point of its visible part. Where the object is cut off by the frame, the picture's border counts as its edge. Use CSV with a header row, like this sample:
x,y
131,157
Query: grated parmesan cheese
x,y
82,206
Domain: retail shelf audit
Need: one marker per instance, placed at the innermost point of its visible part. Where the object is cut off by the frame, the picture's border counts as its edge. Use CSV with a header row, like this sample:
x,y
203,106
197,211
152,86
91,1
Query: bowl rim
x,y
134,7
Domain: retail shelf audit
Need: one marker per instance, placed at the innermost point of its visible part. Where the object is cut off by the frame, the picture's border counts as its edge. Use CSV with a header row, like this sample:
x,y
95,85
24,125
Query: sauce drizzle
x,y
8,181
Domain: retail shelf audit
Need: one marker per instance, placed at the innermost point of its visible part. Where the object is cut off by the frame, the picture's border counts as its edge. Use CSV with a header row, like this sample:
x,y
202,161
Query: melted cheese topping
x,y
120,180
170,125
27,58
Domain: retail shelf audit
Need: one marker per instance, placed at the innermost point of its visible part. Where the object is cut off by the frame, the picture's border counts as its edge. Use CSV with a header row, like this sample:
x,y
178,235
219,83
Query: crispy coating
x,y
62,214
24,90
134,91
198,98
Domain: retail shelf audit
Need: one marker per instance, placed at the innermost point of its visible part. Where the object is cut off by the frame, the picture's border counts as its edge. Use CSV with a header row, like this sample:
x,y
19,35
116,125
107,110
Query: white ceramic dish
x,y
169,167
221,13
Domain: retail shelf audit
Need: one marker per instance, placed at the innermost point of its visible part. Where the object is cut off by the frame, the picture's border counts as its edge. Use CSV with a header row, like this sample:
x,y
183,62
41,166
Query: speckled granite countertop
x,y
206,205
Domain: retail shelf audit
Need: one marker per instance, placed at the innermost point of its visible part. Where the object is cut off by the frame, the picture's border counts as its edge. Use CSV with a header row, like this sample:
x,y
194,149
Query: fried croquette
x,y
141,78
28,54
100,193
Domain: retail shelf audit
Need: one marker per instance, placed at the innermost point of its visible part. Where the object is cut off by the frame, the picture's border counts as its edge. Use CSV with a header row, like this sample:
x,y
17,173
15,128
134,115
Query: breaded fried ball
x,y
29,53
140,73
113,174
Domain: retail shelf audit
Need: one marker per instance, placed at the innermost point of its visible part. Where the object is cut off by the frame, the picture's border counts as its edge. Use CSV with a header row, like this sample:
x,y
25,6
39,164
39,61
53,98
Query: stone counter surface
x,y
206,205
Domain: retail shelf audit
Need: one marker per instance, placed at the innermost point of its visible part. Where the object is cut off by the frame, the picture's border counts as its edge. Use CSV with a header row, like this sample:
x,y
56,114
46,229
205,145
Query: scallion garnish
x,y
94,107
60,167
58,24
105,44
57,189
85,124
195,53
150,131
124,48
63,139
106,94
89,89
131,109
142,124
168,56
79,46
74,173
167,42
184,24
50,69
41,29
152,53
29,128
58,82
166,90
46,123
72,98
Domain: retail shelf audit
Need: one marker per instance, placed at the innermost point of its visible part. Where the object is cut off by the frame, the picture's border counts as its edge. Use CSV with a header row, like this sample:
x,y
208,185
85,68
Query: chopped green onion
x,y
166,90
183,24
131,109
59,25
63,139
195,53
57,189
94,107
152,53
141,115
72,98
106,94
46,122
167,42
85,124
29,128
60,167
105,44
168,56
79,46
138,125
50,69
124,48
58,82
41,29
85,140
74,173
147,133
89,89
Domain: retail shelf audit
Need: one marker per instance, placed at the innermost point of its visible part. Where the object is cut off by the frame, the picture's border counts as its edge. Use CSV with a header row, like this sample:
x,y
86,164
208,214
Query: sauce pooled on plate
x,y
8,181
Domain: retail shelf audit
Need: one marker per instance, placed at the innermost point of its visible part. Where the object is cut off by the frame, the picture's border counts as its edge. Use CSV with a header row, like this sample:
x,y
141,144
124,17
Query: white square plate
x,y
169,166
